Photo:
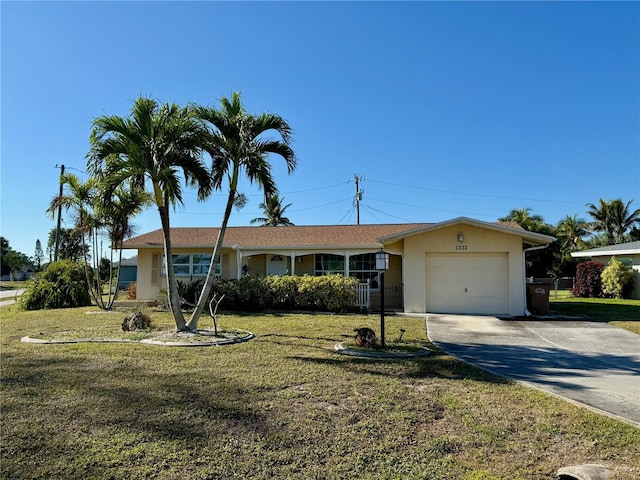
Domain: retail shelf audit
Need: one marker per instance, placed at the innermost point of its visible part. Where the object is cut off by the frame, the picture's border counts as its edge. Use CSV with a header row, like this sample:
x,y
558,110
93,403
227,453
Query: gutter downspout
x,y
524,271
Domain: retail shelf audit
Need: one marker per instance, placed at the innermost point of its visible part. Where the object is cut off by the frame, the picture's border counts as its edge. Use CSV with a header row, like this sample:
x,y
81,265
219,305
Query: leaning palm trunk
x,y
172,287
208,284
113,299
95,288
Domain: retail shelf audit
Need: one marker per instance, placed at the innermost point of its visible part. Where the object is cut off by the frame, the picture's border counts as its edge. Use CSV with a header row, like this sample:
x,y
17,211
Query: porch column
x,y
292,257
239,264
346,264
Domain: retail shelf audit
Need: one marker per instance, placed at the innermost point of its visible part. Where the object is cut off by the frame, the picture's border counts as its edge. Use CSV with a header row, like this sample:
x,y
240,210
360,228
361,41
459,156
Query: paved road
x,y
7,297
591,363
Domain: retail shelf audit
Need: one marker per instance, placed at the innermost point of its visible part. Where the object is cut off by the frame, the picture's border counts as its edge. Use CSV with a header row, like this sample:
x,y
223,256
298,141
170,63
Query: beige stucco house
x,y
458,266
628,253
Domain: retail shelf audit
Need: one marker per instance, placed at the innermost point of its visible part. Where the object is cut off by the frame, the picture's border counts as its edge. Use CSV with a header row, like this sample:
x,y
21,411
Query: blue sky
x,y
445,109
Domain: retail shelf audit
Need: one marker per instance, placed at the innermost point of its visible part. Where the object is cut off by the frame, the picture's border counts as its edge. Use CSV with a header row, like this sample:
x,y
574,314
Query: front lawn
x,y
283,405
621,313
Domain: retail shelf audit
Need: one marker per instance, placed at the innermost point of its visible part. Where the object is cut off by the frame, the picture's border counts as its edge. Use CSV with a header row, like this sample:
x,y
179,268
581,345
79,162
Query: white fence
x,y
363,292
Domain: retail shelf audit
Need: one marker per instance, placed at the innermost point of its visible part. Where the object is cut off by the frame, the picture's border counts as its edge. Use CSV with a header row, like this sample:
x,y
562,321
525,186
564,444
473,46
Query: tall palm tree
x,y
117,209
240,144
602,221
150,148
572,230
273,212
613,218
623,219
78,197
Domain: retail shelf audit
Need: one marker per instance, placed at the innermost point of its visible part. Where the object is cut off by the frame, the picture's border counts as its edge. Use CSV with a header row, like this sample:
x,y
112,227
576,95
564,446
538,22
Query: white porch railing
x,y
363,292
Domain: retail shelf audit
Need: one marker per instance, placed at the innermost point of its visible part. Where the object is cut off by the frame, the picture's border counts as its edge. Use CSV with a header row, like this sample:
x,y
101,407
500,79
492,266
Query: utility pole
x,y
55,252
358,179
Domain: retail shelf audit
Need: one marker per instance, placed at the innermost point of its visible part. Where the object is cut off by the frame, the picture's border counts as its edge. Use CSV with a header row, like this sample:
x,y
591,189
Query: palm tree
x,y
572,230
273,212
602,219
523,217
613,218
79,197
623,219
239,144
117,209
150,148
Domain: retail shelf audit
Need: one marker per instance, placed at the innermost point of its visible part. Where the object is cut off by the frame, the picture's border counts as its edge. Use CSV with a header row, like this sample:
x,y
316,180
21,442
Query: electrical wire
x,y
388,214
431,208
474,194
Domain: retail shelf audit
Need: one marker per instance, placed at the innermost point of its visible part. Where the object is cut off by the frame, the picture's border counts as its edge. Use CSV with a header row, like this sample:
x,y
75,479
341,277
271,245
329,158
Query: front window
x,y
194,265
363,267
329,263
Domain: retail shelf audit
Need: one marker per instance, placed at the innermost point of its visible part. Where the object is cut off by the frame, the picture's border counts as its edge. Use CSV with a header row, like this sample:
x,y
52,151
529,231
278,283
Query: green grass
x,y
621,313
283,405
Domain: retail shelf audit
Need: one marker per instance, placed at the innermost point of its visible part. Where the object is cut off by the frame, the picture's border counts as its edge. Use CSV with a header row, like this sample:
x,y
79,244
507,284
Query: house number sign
x,y
462,247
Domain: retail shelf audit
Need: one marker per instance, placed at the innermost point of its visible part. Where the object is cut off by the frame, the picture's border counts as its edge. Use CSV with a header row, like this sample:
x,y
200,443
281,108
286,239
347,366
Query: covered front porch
x,y
358,264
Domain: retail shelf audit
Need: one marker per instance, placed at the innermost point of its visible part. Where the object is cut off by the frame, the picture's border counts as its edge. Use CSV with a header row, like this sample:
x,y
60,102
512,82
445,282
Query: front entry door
x,y
276,265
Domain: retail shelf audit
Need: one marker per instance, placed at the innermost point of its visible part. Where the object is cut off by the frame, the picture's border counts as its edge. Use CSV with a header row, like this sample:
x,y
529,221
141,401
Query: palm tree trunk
x,y
113,299
208,284
172,287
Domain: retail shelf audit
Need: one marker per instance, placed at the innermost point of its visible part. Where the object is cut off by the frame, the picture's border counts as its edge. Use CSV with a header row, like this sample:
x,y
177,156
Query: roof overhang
x,y
530,238
606,253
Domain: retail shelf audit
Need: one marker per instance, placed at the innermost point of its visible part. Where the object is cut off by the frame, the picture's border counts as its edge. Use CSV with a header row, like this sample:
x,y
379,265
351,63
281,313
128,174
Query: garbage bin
x,y
538,298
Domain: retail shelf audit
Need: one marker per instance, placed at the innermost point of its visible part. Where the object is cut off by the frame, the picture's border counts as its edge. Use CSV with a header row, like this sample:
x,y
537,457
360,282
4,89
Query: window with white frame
x,y
362,267
327,263
190,265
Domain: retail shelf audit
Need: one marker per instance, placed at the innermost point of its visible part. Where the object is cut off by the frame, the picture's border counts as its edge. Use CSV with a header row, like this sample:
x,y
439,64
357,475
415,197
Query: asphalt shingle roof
x,y
282,236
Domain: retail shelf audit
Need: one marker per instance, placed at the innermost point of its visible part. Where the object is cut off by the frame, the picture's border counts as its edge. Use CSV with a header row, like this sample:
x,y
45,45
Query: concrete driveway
x,y
591,363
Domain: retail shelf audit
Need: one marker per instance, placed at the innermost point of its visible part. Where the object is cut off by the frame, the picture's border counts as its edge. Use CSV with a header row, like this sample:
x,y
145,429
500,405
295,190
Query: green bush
x,y
190,291
328,293
617,279
62,285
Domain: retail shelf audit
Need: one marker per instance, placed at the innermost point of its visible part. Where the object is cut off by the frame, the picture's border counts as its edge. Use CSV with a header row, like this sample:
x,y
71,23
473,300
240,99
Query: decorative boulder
x,y
365,337
136,321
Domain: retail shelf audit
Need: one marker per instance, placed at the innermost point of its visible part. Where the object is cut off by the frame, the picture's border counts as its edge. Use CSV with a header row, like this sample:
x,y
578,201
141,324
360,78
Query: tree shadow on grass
x,y
177,405
603,312
437,365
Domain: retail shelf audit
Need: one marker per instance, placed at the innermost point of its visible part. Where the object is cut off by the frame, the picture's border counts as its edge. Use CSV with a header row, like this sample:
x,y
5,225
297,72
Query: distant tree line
x,y
612,222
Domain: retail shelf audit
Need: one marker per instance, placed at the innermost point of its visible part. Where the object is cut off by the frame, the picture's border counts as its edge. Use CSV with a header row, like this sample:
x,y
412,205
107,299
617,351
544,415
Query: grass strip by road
x,y
283,405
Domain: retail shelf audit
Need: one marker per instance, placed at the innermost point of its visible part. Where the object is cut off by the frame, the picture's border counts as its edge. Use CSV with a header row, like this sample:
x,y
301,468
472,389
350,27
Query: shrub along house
x,y
628,253
457,266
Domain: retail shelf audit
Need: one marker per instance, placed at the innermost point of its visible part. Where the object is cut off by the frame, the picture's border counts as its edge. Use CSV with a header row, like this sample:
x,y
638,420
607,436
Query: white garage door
x,y
473,283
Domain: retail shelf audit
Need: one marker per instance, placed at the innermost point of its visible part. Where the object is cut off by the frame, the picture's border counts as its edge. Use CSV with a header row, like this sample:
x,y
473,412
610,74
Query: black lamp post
x,y
382,264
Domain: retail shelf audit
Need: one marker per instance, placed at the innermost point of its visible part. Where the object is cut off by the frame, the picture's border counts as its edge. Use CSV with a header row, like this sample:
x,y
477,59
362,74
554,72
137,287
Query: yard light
x,y
382,264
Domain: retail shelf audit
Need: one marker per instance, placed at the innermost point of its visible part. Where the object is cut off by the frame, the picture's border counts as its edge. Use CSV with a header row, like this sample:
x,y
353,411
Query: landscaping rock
x,y
136,321
365,337
584,472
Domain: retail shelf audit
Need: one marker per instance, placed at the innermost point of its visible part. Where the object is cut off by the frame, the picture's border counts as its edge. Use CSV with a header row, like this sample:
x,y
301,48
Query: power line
x,y
473,194
388,214
431,208
260,213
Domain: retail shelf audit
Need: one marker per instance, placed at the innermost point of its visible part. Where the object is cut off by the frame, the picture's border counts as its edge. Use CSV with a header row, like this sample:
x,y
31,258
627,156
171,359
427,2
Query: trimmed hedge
x,y
588,279
327,293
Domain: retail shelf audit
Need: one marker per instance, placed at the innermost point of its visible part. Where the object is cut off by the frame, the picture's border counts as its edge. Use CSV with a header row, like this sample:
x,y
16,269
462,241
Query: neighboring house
x,y
128,272
458,266
628,253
